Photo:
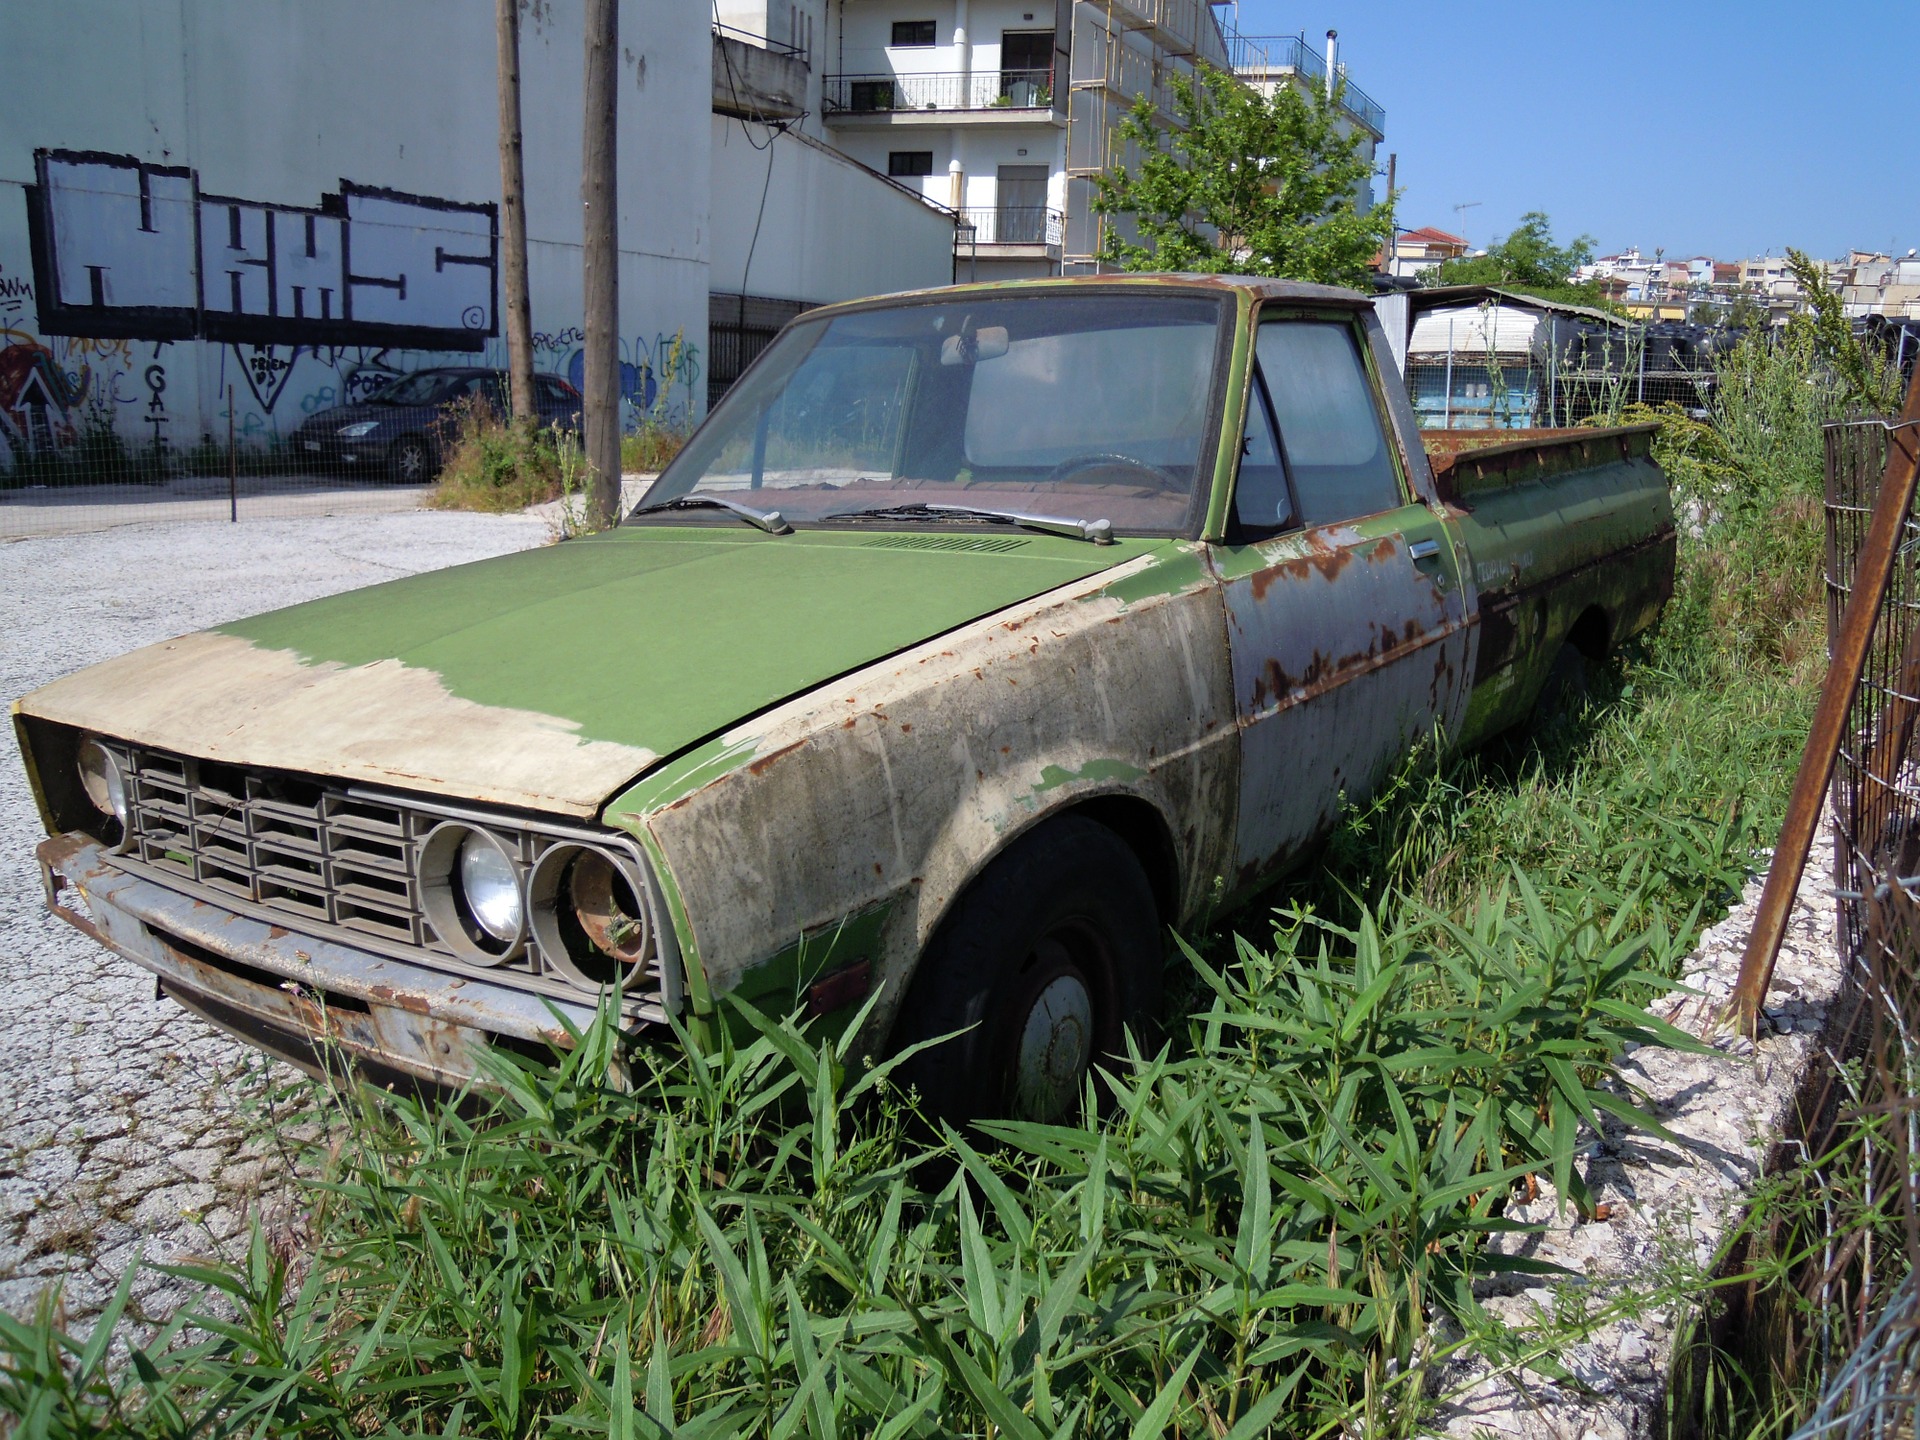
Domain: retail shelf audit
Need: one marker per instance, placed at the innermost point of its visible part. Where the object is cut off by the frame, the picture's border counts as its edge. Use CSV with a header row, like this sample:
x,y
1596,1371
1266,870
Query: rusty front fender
x,y
894,787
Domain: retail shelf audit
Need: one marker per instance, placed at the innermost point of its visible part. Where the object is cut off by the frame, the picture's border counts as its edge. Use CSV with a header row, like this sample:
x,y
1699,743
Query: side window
x,y
1335,448
1261,501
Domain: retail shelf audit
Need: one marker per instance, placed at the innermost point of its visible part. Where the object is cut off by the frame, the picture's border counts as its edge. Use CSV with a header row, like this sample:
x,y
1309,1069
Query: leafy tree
x,y
1528,260
1245,184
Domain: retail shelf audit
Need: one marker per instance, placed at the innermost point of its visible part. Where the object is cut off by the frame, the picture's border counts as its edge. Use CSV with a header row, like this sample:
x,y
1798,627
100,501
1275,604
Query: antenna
x,y
1461,210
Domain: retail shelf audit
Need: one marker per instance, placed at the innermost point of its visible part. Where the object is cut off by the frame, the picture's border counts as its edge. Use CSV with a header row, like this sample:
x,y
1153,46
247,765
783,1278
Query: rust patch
x,y
277,932
769,760
411,1003
1385,549
62,848
1323,560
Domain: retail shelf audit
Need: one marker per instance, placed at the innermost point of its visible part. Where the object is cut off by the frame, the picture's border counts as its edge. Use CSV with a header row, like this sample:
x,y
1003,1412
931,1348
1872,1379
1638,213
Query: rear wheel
x,y
1045,961
412,464
1564,691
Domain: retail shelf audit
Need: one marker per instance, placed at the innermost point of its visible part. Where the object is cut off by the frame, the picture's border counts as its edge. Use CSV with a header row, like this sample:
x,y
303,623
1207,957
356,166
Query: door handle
x,y
1423,549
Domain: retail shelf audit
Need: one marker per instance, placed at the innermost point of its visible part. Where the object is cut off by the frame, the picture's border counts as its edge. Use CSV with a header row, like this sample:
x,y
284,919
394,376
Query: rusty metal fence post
x,y
1848,654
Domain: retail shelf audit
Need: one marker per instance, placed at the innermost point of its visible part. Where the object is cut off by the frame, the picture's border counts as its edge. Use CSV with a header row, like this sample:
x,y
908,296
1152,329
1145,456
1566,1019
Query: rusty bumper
x,y
294,995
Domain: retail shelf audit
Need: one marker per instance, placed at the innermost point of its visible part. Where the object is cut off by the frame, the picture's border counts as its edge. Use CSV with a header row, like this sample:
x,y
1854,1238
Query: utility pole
x,y
513,217
602,258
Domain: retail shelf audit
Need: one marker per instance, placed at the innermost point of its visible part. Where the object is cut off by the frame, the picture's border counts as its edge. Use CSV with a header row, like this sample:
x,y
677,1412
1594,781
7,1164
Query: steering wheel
x,y
1111,459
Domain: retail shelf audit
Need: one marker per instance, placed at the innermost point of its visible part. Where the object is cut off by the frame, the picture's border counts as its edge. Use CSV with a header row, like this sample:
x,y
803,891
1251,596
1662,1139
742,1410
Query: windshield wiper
x,y
770,521
1100,532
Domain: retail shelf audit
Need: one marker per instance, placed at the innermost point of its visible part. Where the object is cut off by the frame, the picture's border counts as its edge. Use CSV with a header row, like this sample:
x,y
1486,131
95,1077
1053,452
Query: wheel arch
x,y
1145,831
1591,633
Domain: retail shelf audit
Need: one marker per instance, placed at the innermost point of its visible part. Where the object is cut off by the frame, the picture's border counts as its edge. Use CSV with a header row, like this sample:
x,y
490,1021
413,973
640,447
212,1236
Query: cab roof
x,y
1257,287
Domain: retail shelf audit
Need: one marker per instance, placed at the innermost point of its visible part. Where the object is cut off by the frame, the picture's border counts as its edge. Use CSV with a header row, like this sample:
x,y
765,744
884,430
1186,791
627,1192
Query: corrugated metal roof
x,y
1441,295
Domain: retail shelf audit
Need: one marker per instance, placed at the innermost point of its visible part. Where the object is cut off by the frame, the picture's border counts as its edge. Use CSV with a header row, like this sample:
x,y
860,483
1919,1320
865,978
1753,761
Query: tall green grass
x,y
758,1241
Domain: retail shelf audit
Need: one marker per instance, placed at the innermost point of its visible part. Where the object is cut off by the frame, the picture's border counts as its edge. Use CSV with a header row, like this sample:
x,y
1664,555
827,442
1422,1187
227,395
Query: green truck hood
x,y
552,677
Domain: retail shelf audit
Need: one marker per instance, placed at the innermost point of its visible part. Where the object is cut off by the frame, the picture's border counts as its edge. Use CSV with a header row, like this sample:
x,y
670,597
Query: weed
x,y
647,450
495,465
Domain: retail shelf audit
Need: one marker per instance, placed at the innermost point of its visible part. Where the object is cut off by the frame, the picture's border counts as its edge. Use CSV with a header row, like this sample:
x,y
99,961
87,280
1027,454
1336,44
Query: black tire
x,y
1564,692
411,460
1065,914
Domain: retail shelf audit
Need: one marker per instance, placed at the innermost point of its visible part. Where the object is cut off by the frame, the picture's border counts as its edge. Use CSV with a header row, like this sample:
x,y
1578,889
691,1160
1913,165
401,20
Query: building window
x,y
913,32
910,162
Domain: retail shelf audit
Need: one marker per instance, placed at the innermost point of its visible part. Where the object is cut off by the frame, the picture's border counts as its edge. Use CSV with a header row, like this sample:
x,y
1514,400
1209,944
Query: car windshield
x,y
1091,406
422,388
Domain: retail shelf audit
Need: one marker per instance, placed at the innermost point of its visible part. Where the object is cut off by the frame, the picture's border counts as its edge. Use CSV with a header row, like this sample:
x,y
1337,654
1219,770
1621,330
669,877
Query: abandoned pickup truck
x,y
978,637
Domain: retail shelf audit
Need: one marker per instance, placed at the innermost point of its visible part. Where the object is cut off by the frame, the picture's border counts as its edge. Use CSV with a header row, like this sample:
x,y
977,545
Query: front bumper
x,y
330,450
294,995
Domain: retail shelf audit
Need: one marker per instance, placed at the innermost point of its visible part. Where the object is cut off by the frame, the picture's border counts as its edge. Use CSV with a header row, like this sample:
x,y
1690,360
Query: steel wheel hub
x,y
1055,1047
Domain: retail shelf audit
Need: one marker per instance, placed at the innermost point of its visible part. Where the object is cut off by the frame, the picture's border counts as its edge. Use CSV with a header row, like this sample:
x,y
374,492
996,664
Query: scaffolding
x,y
1123,51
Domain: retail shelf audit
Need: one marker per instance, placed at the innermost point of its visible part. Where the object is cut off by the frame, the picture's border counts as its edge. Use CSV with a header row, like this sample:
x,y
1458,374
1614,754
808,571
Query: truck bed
x,y
1570,534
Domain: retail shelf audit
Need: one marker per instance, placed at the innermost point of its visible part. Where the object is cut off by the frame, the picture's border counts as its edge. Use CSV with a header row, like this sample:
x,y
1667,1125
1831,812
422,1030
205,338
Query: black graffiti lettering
x,y
411,271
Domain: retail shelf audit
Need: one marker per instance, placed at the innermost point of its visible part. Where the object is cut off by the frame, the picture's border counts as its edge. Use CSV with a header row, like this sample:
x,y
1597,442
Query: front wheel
x,y
412,464
1043,964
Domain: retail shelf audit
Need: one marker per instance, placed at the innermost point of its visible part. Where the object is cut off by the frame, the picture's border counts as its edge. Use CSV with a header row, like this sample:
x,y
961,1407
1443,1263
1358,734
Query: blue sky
x,y
1718,129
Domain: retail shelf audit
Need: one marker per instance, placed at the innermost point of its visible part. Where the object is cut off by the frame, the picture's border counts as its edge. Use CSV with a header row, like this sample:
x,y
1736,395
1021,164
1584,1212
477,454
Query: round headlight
x,y
491,887
101,778
588,917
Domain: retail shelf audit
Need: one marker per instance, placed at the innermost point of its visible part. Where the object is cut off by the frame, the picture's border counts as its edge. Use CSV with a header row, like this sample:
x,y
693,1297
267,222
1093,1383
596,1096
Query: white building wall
x,y
830,231
227,110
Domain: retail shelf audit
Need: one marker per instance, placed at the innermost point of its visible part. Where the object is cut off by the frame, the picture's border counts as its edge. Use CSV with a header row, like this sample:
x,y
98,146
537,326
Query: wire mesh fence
x,y
1859,1322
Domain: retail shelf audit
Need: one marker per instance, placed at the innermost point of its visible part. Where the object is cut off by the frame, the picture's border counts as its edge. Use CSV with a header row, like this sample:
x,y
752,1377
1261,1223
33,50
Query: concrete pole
x,y
513,218
601,254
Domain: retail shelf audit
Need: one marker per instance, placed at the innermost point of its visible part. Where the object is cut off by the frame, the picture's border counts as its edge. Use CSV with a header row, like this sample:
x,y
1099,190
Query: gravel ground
x,y
123,1114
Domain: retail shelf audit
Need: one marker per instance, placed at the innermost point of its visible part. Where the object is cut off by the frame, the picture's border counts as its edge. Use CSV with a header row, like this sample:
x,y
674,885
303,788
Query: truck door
x,y
1346,615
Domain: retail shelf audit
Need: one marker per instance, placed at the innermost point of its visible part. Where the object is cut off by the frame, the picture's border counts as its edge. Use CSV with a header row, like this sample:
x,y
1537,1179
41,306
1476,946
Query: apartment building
x,y
1006,110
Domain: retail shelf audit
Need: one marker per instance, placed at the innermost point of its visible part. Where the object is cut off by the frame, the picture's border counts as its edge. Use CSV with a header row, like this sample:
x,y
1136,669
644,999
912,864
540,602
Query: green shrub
x,y
495,465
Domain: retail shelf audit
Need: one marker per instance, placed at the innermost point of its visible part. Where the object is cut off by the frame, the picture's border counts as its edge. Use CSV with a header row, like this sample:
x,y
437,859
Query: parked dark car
x,y
402,430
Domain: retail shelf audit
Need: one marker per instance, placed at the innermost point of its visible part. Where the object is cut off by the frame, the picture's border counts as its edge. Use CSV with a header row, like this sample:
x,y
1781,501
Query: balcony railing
x,y
760,42
1008,225
939,90
1292,52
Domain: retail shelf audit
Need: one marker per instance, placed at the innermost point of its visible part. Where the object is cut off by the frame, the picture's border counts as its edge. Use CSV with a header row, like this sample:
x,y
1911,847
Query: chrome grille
x,y
342,862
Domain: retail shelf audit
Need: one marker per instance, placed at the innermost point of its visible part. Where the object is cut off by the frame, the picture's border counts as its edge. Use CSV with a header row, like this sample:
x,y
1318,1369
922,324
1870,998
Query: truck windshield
x,y
1087,407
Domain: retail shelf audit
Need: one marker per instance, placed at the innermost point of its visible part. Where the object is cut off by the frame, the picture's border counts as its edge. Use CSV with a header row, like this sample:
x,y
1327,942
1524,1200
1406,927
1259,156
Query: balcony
x,y
1281,54
1001,226
1018,94
756,78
